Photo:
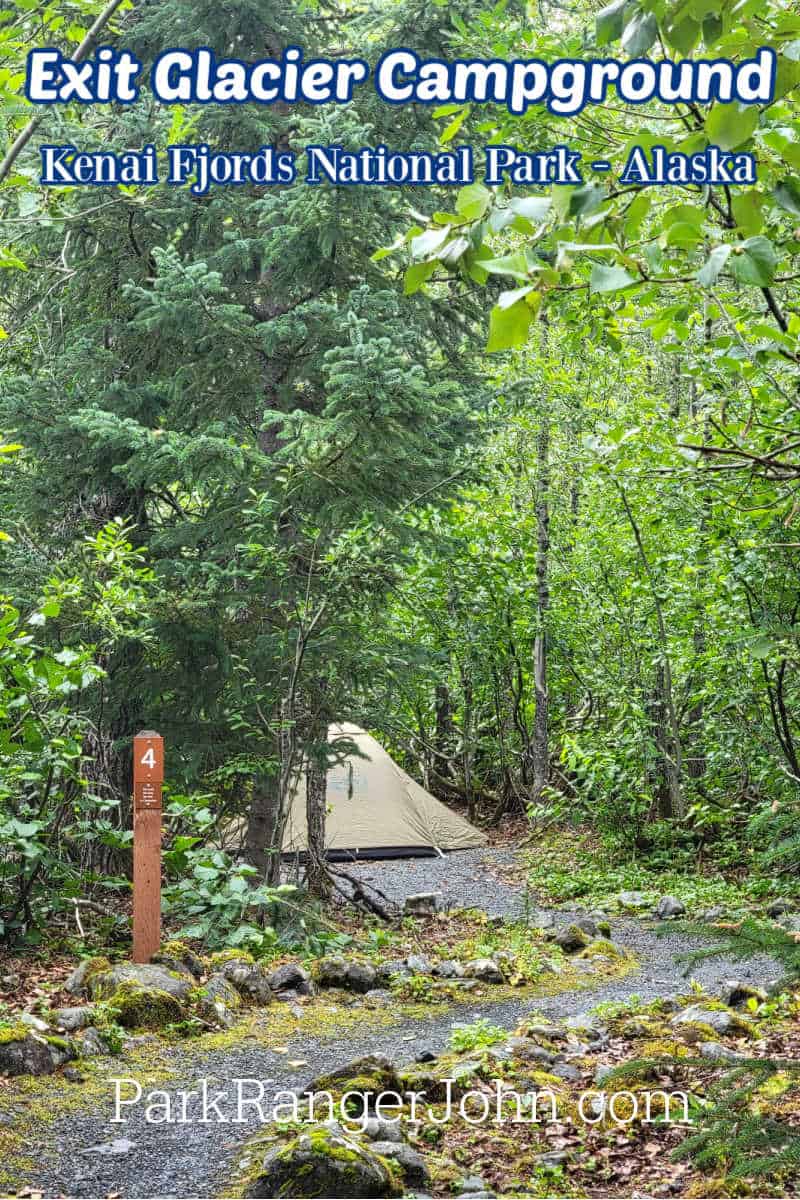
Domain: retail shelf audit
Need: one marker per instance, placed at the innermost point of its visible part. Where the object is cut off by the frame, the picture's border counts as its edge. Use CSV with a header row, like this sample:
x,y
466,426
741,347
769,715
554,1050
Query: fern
x,y
742,941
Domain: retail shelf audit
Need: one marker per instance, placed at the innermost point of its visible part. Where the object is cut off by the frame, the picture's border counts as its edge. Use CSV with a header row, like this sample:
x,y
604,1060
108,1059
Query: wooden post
x,y
148,776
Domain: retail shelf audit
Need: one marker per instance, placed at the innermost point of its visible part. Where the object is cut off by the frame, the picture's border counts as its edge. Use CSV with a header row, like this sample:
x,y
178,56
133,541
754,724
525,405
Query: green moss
x,y
223,956
603,948
97,967
144,1008
59,1042
13,1033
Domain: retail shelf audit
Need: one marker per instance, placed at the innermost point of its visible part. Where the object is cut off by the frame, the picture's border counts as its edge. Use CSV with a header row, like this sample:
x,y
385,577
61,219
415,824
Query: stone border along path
x,y
197,1160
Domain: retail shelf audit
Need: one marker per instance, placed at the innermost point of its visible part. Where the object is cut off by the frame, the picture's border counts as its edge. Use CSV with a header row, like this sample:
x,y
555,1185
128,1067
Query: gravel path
x,y
191,1160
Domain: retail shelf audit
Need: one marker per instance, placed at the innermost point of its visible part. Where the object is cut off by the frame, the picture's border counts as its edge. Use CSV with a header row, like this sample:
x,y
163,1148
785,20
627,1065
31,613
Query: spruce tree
x,y
235,376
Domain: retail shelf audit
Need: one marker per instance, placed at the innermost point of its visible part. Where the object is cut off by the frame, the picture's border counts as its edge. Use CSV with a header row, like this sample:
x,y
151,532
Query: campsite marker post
x,y
148,776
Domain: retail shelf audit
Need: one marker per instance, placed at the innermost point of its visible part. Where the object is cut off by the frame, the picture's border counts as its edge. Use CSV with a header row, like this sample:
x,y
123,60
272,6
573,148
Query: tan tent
x,y
376,810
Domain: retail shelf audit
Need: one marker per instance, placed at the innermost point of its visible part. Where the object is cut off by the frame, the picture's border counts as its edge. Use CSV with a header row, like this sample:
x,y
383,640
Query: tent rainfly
x,y
376,810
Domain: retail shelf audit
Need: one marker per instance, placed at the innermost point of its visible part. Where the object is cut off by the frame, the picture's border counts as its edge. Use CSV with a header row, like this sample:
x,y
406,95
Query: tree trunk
x,y
261,822
317,878
540,750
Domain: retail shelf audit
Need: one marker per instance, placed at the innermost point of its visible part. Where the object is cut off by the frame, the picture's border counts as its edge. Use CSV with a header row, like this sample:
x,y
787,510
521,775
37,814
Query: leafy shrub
x,y
477,1036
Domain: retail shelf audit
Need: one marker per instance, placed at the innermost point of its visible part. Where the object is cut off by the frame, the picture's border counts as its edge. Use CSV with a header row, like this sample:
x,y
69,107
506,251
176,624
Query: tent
x,y
376,810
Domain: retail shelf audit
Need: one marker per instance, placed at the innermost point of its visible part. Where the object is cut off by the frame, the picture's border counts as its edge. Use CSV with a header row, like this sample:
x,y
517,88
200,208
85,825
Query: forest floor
x,y
61,1140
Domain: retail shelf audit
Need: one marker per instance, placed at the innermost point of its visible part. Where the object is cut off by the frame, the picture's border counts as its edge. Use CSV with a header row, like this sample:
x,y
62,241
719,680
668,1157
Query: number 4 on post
x,y
148,776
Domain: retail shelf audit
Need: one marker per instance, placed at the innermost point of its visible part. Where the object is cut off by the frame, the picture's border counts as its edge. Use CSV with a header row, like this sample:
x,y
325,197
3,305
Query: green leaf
x,y
508,327
429,242
608,22
585,200
472,201
730,125
506,299
787,194
639,34
533,208
450,131
709,272
609,279
508,264
754,262
416,275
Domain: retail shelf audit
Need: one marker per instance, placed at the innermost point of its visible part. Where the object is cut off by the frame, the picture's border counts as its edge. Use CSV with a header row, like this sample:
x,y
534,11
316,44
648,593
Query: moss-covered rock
x,y
179,957
25,1053
372,1073
603,948
221,957
320,1162
81,979
248,977
217,1000
103,984
143,1007
571,939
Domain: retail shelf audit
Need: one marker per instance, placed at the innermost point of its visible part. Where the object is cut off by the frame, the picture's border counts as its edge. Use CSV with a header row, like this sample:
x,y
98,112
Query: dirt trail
x,y
188,1160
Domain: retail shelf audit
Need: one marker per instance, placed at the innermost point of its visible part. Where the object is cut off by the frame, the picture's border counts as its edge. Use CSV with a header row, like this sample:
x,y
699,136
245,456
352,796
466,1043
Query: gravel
x,y
86,1154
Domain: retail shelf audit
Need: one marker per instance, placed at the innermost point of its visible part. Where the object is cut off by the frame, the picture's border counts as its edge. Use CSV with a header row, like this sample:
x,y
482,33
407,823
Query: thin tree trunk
x,y
540,749
670,742
318,880
261,820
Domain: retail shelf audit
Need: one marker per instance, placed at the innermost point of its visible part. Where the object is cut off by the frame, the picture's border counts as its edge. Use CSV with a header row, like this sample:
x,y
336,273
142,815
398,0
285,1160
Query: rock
x,y
424,904
377,997
571,939
718,1019
178,957
361,977
484,969
395,969
410,1161
291,977
448,968
218,1000
552,1158
631,899
588,1025
339,973
10,982
378,1129
73,1075
670,907
22,1053
419,965
713,914
425,1056
540,918
139,1006
527,1050
34,1022
778,907
147,976
117,1147
319,1163
790,923
74,1018
470,1185
92,1043
735,993
565,1071
718,1053
587,925
372,1072
249,978
601,1075
76,983
331,972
